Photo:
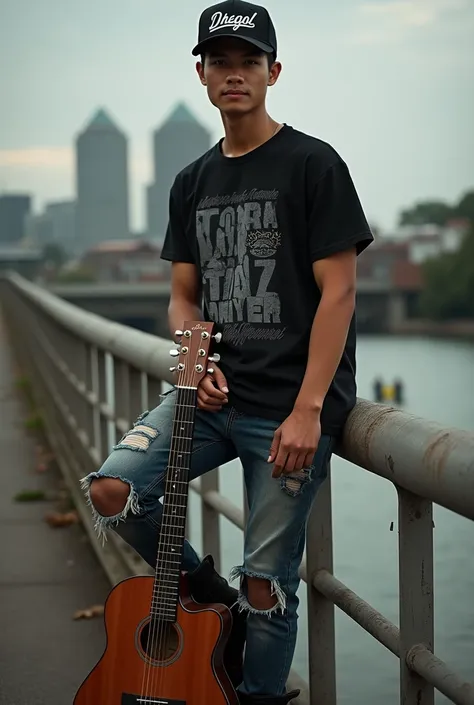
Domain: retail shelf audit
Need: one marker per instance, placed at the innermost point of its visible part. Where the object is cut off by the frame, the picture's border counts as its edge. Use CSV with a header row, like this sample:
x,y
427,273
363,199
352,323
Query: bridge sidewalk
x,y
46,574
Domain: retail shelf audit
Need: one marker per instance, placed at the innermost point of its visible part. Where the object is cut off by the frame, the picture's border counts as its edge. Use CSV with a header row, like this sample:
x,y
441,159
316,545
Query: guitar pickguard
x,y
128,699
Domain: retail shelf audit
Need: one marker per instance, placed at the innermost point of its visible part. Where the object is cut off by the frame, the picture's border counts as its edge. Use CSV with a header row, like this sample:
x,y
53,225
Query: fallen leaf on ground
x,y
60,519
90,613
30,496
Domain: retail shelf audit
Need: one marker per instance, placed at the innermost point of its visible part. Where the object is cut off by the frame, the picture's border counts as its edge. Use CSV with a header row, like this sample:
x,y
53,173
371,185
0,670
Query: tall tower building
x,y
178,142
102,182
14,210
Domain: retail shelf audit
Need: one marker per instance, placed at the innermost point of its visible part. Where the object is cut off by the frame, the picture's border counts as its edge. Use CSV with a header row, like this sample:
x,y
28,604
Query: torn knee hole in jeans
x,y
139,437
102,523
293,484
275,591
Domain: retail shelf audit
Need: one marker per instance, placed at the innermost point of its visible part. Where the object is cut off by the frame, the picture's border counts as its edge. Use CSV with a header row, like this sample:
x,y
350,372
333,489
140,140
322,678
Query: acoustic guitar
x,y
163,648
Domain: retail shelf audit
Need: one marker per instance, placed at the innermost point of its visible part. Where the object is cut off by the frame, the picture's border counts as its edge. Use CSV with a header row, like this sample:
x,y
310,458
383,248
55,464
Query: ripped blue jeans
x,y
275,536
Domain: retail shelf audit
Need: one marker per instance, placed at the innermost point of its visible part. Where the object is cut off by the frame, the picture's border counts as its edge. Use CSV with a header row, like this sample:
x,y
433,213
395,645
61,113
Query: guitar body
x,y
163,648
187,667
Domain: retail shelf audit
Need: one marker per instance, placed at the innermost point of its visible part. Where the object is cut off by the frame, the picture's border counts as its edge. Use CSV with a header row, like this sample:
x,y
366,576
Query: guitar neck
x,y
173,524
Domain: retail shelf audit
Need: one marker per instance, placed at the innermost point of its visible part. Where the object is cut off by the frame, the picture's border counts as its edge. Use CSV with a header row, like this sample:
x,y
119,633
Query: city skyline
x,y
386,82
177,142
102,182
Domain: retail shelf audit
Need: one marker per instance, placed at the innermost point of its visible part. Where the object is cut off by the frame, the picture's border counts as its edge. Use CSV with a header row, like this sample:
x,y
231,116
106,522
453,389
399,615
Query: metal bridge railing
x,y
92,378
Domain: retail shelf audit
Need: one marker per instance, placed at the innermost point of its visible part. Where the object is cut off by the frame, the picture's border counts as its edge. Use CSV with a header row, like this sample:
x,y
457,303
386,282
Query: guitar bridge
x,y
128,699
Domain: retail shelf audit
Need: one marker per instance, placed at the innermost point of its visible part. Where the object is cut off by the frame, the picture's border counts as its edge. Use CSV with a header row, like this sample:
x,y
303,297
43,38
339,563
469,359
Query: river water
x,y
439,383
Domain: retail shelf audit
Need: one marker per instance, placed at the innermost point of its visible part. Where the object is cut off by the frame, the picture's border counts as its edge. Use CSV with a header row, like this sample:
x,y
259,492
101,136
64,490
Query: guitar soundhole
x,y
160,641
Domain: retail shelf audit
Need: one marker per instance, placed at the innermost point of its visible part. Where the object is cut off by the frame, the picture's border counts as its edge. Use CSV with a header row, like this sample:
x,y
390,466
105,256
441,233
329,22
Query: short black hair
x,y
271,57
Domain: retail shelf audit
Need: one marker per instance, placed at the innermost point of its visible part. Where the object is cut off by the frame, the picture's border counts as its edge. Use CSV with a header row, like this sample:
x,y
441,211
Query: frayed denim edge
x,y
276,589
101,523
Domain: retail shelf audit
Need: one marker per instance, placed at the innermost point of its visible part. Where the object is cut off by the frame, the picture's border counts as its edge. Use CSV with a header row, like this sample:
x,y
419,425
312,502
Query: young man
x,y
264,232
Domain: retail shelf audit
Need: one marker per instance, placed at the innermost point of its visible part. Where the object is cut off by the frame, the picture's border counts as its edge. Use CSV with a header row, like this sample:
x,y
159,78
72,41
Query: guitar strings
x,y
159,625
167,528
155,624
155,619
170,522
170,527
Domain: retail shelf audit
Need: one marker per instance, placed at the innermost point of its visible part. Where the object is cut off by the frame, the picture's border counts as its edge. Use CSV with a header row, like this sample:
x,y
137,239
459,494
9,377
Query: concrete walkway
x,y
46,574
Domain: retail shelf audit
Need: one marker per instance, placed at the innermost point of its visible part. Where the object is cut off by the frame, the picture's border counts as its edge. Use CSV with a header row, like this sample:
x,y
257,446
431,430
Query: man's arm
x,y
336,280
296,440
184,306
184,299
338,232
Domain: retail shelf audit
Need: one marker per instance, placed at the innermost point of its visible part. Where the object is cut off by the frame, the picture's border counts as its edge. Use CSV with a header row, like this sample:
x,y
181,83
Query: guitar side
x,y
191,672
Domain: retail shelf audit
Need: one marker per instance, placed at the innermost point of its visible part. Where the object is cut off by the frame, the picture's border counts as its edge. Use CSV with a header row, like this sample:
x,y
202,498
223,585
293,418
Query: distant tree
x,y
465,207
427,213
449,283
79,275
54,255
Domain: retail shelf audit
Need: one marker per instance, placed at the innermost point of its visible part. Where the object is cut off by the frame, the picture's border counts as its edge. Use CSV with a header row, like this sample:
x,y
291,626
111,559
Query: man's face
x,y
236,75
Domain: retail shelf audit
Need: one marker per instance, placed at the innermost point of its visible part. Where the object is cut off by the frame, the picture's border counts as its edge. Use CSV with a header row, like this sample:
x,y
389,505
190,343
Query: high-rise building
x,y
14,209
62,215
102,182
38,230
56,225
179,141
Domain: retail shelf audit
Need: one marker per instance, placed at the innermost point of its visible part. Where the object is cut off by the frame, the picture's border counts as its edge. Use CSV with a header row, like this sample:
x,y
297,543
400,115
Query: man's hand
x,y
295,442
212,391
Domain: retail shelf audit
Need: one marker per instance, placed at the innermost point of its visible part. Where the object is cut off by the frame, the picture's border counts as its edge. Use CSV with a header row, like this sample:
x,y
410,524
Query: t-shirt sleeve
x,y
176,245
336,220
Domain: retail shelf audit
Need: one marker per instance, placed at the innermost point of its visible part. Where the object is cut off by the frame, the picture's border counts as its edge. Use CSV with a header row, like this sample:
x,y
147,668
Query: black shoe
x,y
207,586
268,699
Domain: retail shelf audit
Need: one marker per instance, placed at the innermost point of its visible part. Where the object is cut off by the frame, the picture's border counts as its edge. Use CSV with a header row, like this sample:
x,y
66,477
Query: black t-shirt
x,y
254,225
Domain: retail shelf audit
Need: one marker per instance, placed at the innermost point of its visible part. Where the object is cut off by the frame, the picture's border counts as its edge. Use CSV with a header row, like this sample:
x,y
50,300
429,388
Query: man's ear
x,y
200,72
275,72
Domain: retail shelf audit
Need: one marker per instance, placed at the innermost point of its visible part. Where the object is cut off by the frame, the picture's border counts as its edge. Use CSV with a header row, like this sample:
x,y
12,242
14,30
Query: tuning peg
x,y
217,337
215,358
173,369
211,371
174,353
178,333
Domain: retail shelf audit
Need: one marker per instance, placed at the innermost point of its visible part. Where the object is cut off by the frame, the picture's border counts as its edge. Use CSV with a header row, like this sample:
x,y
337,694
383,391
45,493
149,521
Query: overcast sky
x,y
389,83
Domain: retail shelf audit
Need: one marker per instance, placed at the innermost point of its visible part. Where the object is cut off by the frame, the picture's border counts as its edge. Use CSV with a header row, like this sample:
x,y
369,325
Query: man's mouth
x,y
234,92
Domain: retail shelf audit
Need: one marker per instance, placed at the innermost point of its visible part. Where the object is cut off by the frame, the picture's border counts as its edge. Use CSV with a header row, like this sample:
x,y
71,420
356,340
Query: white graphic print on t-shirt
x,y
239,239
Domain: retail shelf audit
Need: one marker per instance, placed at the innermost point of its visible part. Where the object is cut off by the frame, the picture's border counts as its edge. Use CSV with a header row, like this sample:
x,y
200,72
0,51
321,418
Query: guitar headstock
x,y
193,353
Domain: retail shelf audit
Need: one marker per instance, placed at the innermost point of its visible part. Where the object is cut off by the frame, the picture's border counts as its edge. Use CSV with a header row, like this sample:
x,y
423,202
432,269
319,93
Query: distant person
x,y
398,391
378,389
267,226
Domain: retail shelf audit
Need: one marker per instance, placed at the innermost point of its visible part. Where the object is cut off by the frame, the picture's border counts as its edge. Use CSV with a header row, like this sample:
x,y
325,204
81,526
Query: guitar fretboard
x,y
173,524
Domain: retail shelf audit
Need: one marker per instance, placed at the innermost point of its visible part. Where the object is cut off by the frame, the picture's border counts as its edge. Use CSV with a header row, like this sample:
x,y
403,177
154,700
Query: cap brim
x,y
200,48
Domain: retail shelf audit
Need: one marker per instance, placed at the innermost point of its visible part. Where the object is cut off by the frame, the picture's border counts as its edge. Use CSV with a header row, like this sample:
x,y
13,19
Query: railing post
x,y
135,395
211,534
95,389
121,397
415,516
104,400
154,390
321,631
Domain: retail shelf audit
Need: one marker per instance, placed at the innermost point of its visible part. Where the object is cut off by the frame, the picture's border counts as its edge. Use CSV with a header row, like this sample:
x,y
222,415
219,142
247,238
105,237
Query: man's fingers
x,y
295,463
208,388
280,463
221,380
291,463
209,399
274,446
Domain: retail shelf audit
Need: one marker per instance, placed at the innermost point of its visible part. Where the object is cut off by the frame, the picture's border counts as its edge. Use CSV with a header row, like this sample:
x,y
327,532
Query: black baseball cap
x,y
236,18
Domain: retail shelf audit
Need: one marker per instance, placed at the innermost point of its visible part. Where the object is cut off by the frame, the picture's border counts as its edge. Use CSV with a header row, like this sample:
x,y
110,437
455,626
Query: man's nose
x,y
234,78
